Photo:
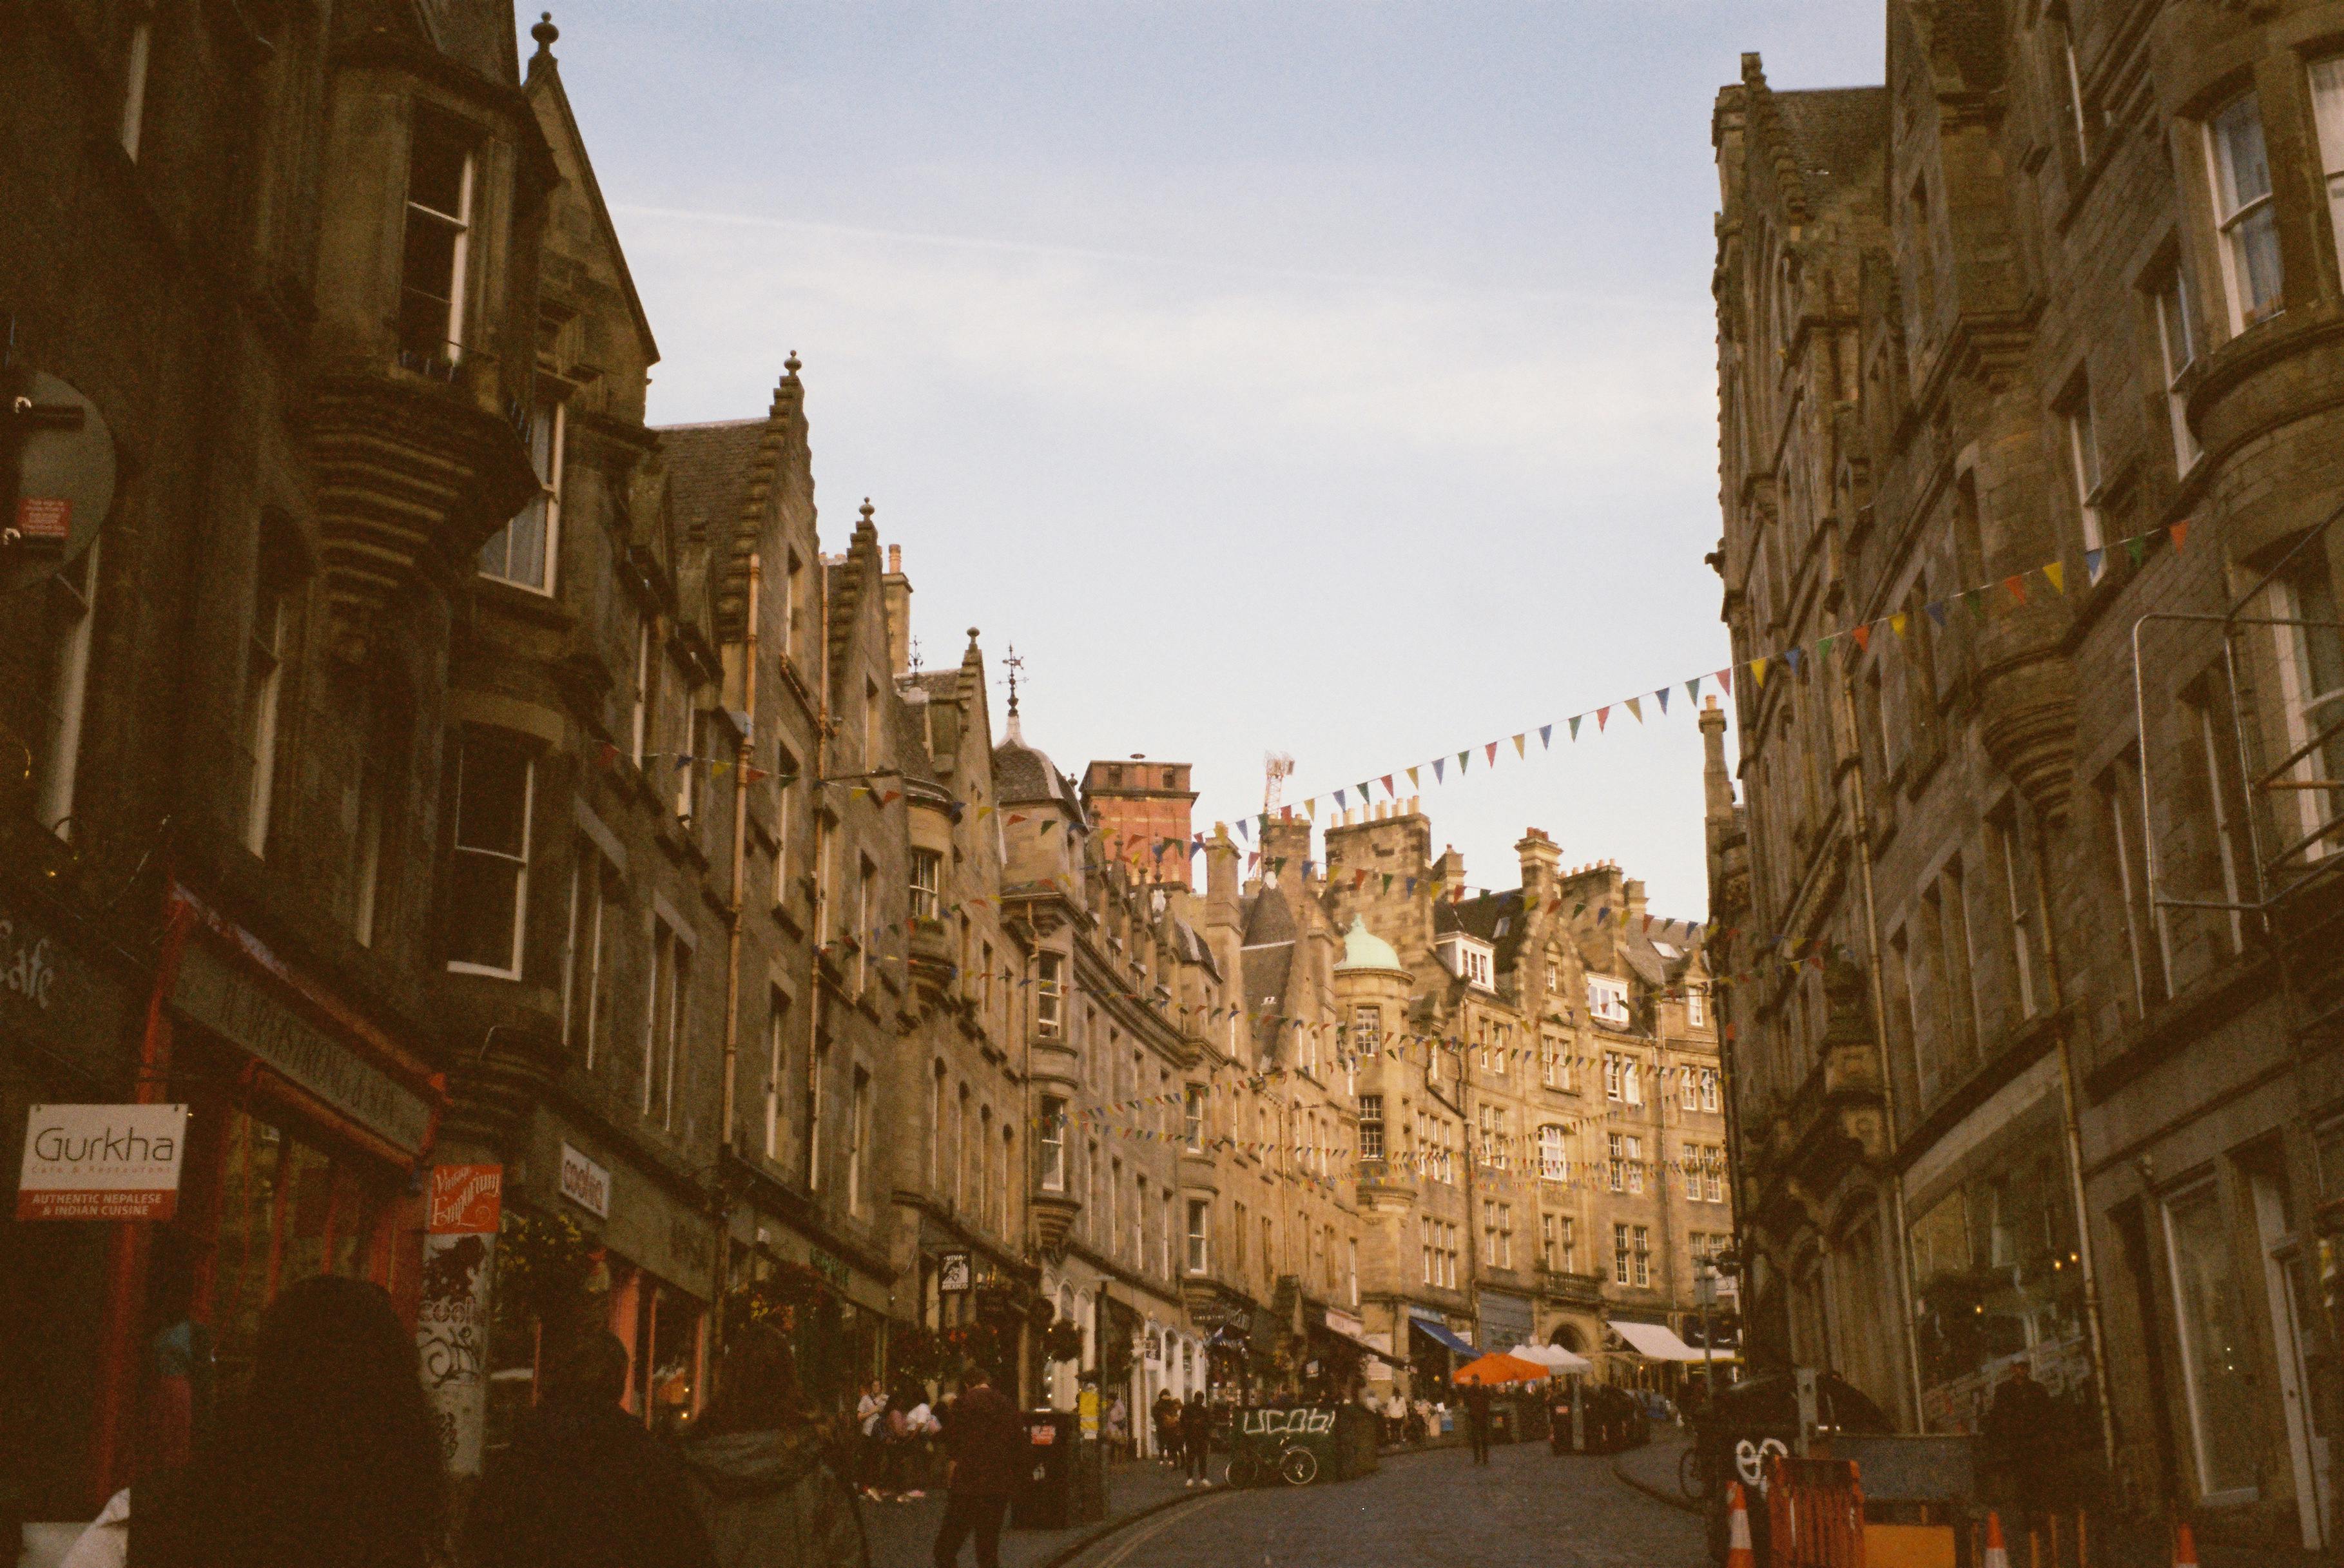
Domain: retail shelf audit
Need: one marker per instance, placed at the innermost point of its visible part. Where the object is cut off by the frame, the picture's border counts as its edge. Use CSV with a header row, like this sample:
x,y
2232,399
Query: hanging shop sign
x,y
585,1183
63,461
952,1273
466,1199
255,1019
102,1162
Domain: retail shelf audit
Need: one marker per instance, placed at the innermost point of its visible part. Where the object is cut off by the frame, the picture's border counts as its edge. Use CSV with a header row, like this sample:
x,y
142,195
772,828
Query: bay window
x,y
2249,229
522,551
440,172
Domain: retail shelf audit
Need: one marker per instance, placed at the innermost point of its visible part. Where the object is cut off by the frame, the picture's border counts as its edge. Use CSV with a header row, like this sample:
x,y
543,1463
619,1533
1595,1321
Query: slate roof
x,y
708,473
1022,775
1265,972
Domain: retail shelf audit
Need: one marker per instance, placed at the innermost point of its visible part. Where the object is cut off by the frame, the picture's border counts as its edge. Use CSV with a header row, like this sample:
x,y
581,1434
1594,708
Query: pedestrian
x,y
1477,1419
333,1459
871,1445
1166,1416
1196,1439
584,1483
2021,1438
984,1445
919,1450
1119,1427
760,1477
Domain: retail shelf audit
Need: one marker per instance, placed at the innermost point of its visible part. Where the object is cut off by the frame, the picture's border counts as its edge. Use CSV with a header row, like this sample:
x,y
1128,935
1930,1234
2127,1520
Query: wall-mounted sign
x,y
251,1017
585,1183
102,1162
65,477
952,1273
466,1199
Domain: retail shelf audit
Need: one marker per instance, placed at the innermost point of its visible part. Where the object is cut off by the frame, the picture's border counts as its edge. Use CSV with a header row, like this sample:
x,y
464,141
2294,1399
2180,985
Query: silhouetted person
x,y
2021,1438
1477,1419
332,1460
585,1486
986,1443
1196,1439
760,1474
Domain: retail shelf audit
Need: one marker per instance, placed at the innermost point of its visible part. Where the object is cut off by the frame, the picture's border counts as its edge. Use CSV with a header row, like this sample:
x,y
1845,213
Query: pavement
x,y
1652,1469
901,1533
1432,1509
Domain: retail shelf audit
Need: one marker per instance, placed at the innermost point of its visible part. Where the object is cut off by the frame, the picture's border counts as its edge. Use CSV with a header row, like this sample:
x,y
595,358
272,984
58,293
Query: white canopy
x,y
1554,1358
1657,1343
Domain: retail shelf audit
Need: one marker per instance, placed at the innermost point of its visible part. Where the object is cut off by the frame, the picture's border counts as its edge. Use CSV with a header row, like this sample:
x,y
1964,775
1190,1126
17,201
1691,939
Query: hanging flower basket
x,y
1064,1341
548,1270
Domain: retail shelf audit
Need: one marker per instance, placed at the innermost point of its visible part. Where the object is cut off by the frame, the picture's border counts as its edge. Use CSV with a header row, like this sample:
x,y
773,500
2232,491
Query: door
x,y
2282,1264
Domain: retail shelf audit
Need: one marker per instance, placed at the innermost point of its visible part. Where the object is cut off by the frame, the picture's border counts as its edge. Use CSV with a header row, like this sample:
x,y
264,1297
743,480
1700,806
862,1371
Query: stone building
x,y
1540,1122
2032,1030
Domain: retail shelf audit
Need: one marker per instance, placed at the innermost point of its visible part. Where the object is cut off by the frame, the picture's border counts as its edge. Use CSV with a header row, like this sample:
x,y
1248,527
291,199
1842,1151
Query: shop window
x,y
489,876
523,552
2216,1355
440,174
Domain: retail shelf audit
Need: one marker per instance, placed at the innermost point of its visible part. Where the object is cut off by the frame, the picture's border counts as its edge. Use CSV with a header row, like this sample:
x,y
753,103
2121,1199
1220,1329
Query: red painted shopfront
x,y
307,1127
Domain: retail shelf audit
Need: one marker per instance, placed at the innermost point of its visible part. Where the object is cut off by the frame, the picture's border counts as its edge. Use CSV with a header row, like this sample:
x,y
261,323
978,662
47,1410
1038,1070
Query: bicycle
x,y
1296,1466
1693,1475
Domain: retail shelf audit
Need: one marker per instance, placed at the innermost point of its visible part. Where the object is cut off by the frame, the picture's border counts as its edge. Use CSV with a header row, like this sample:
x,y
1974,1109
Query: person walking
x,y
1118,1427
1166,1416
984,1445
2020,1436
761,1482
1477,1419
333,1459
585,1484
870,1442
1196,1439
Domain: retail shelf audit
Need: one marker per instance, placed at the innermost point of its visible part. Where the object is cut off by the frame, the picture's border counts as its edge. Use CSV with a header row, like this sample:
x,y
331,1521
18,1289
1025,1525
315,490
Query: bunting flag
x,y
1546,736
1636,707
2057,572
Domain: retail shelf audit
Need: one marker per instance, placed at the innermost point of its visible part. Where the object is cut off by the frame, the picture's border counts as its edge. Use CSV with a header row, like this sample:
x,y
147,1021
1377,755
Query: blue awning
x,y
1440,1335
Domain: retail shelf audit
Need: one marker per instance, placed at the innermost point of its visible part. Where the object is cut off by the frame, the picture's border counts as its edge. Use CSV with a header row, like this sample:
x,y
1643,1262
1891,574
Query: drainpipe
x,y
2071,1129
1901,1249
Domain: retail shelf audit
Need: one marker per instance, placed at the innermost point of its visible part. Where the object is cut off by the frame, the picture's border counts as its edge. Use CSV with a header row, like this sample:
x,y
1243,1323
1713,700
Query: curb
x,y
1115,1526
1619,1472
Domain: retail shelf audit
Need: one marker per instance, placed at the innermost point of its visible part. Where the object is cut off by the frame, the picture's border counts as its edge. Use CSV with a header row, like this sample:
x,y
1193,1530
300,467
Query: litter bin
x,y
1045,1499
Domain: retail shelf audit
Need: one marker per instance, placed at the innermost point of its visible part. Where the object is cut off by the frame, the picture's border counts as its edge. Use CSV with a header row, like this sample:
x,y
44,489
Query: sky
x,y
1330,379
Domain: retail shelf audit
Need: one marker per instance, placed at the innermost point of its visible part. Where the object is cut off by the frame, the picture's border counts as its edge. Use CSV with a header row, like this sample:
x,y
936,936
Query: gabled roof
x,y
542,67
708,473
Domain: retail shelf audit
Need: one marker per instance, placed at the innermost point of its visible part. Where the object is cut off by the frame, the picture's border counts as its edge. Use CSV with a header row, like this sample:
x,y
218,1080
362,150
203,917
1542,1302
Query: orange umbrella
x,y
1500,1368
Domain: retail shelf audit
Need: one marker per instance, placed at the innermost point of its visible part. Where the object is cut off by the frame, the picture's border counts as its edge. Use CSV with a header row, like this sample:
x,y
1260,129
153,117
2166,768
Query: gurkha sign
x,y
102,1162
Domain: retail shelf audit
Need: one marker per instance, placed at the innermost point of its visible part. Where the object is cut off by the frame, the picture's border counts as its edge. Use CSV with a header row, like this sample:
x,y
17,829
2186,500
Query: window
x,y
71,597
2242,212
1631,1081
1049,995
1201,1222
644,721
2178,344
1615,1167
1713,1176
817,1153
264,669
2084,461
1554,1064
2328,109
927,883
1635,1163
1192,1117
2311,691
1449,1258
692,747
1489,1136
133,85
870,725
1546,1241
1620,1255
1689,1088
1352,1270
777,1068
583,957
1555,1158
2015,863
2216,1355
1606,999
1613,1077
1424,1240
439,170
1054,1144
522,551
1367,1030
858,1149
1697,1007
1961,989
664,1031
1371,1127
2072,87
864,935
1569,1227
489,877
785,769
1505,1255
2219,756
1553,973
2145,930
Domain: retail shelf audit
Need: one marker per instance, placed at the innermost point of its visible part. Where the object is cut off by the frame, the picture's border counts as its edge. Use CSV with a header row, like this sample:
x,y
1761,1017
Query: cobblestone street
x,y
1425,1511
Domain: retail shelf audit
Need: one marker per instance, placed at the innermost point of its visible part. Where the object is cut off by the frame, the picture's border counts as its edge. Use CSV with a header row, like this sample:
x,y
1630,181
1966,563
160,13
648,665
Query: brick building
x,y
2033,1028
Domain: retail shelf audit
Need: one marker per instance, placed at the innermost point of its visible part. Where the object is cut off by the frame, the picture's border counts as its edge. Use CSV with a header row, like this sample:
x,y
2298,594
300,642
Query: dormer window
x,y
1468,959
1606,999
441,170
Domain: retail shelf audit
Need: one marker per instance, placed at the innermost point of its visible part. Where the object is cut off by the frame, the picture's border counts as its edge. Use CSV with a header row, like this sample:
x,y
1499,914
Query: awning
x,y
1440,1335
1552,1357
1333,1332
1657,1343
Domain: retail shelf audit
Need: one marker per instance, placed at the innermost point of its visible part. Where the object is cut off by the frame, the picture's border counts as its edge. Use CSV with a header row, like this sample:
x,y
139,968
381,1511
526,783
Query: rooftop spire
x,y
1013,664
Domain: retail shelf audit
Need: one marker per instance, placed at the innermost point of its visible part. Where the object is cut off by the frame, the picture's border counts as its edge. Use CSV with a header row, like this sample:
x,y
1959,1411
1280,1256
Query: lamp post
x,y
1704,1290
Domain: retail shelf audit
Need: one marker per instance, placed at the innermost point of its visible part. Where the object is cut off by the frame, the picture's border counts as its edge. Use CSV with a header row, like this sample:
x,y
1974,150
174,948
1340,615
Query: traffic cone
x,y
2184,1546
1738,1553
1997,1555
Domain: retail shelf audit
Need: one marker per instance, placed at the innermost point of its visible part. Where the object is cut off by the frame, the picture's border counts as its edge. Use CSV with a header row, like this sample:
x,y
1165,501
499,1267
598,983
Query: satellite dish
x,y
64,481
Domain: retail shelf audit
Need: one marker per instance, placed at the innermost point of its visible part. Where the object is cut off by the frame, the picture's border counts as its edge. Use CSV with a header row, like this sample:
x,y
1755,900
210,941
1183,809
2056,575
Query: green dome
x,y
1363,949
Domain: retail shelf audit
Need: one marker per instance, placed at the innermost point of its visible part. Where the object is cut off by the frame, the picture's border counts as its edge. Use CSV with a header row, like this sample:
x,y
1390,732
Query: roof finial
x,y
545,33
1013,665
792,364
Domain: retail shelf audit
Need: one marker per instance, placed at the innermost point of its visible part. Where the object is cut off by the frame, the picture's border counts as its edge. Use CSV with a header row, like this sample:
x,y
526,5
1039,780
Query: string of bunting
x,y
2009,593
